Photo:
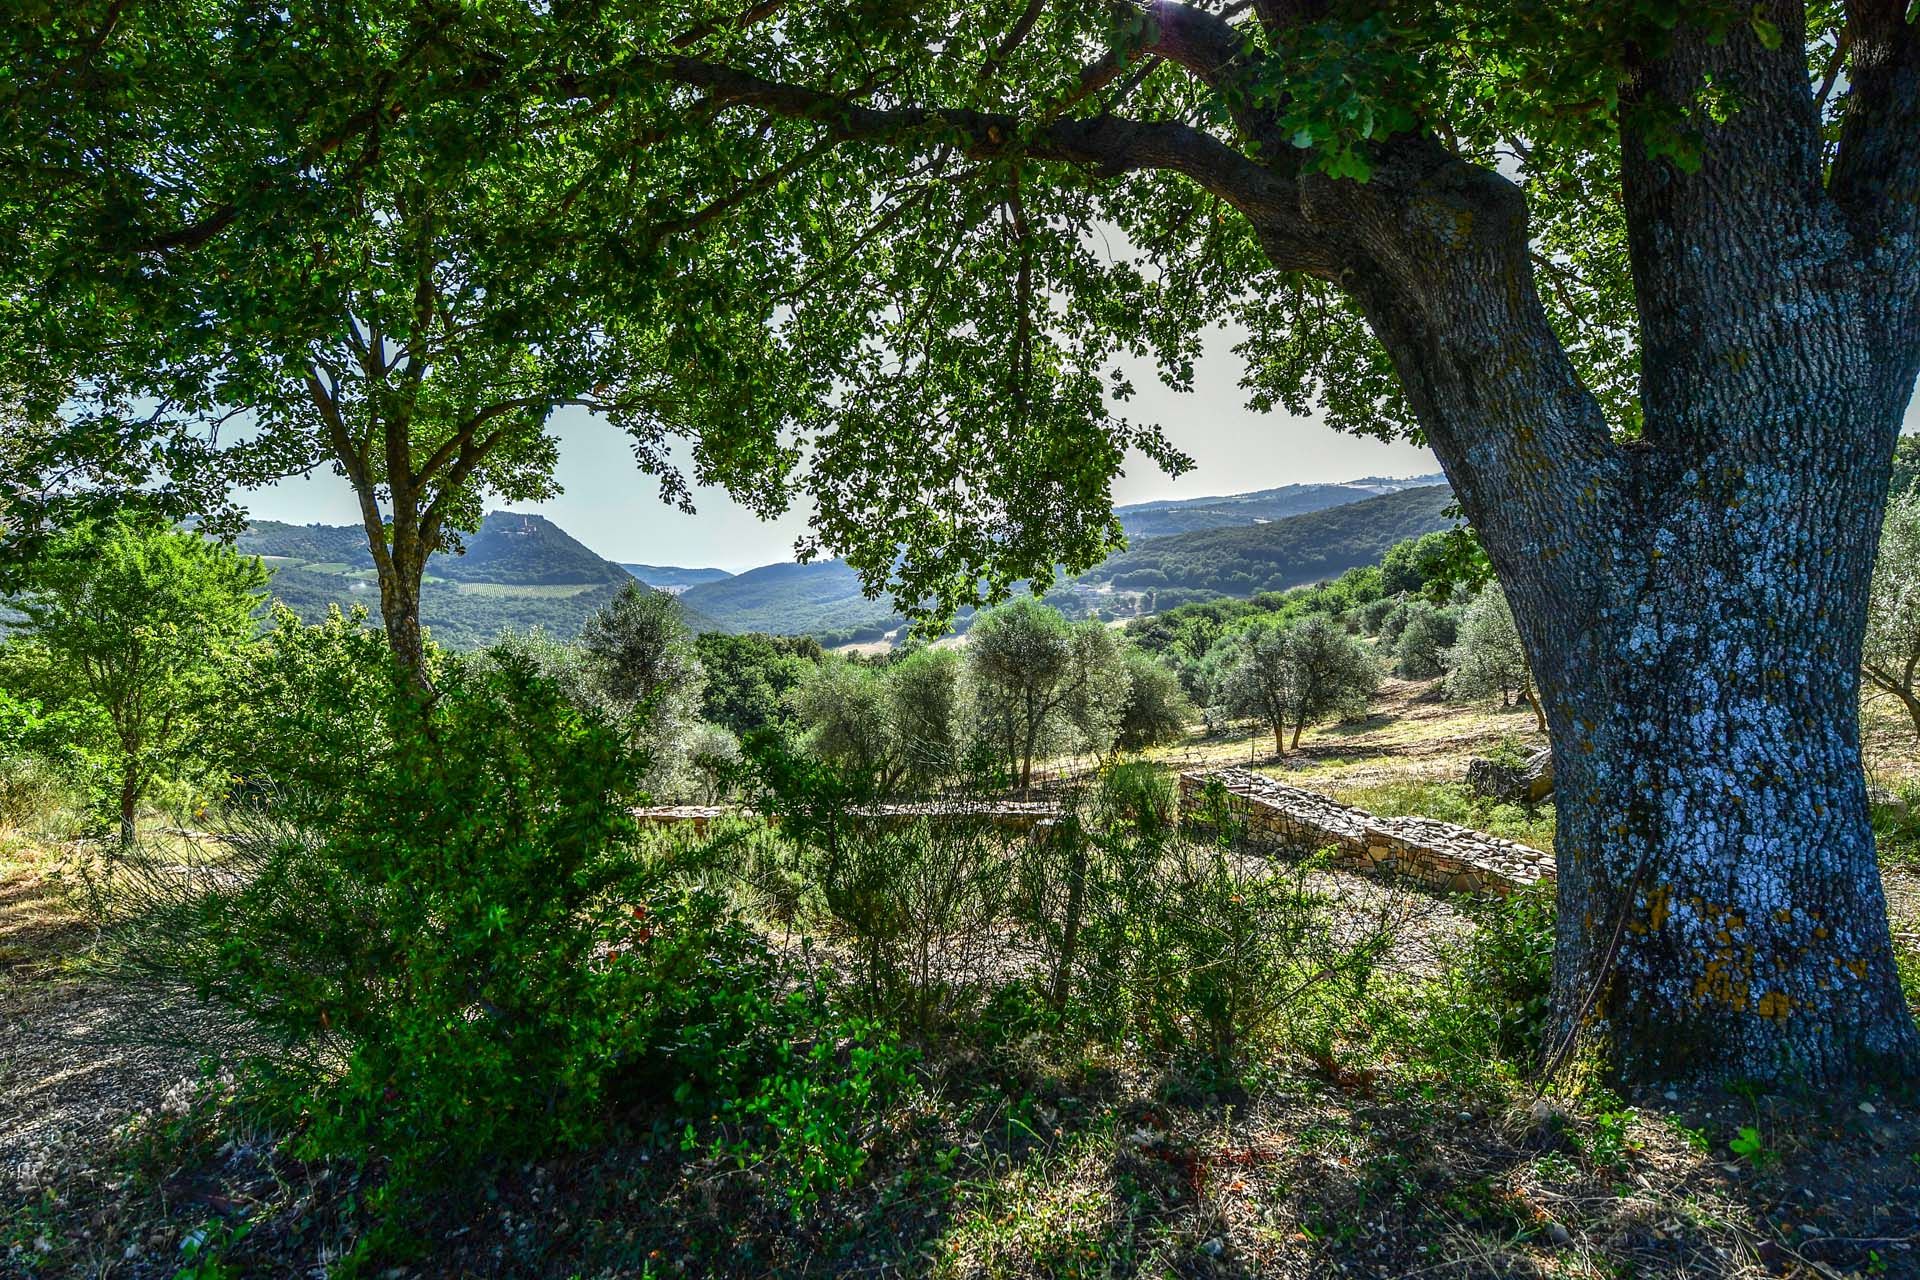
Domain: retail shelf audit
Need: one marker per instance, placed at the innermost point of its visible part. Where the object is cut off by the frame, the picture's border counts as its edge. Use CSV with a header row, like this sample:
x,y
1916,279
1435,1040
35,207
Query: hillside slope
x,y
1286,553
1144,520
517,573
822,598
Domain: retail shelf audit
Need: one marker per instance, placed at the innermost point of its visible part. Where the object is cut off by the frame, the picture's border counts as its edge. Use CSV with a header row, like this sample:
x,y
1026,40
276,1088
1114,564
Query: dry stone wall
x,y
1006,815
1438,855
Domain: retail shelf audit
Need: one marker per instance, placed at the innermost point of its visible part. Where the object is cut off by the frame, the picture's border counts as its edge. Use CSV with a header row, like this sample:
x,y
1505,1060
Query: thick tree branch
x,y
1107,146
1876,174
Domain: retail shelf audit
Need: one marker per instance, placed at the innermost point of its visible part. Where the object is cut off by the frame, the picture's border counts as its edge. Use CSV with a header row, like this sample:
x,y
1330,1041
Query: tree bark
x,y
400,613
1693,603
129,805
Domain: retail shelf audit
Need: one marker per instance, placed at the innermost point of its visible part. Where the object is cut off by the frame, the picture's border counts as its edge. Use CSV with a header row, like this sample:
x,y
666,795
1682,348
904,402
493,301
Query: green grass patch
x,y
1453,802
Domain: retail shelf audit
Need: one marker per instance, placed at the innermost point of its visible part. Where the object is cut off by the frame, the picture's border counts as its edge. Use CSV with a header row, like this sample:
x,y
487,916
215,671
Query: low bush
x,y
36,792
453,943
1494,1000
916,903
1233,955
458,947
814,1089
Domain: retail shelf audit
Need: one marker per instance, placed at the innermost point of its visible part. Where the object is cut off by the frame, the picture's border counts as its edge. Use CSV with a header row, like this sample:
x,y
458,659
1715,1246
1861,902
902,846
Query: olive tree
x,y
1891,659
925,698
894,724
1288,677
638,652
1156,708
1420,649
843,707
1041,683
1488,659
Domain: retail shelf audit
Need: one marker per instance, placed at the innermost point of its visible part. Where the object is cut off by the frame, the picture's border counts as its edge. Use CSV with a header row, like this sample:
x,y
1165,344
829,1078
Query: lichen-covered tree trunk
x,y
1692,602
1721,907
1693,608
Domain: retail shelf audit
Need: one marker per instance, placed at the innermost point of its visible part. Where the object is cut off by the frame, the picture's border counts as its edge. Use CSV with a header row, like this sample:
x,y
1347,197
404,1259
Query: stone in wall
x,y
1439,855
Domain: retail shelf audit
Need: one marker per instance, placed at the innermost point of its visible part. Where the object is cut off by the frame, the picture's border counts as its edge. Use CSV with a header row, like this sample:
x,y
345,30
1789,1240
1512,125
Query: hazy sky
x,y
615,510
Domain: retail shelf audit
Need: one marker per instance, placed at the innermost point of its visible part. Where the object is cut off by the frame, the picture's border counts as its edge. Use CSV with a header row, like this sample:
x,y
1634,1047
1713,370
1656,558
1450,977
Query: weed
x,y
1747,1144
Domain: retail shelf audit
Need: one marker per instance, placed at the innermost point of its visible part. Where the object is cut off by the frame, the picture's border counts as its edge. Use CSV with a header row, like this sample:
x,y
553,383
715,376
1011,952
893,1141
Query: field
x,y
1018,1153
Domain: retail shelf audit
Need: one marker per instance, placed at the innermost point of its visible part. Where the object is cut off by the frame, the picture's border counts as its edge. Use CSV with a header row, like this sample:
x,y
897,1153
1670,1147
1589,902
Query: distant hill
x,y
1288,552
822,599
521,571
1144,520
518,572
673,578
528,551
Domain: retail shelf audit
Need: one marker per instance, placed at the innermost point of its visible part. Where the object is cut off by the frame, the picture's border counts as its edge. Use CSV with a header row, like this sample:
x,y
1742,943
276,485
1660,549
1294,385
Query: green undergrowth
x,y
1454,802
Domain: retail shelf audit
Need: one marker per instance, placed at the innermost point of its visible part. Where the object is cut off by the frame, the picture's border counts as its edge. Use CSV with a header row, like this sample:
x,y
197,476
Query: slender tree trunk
x,y
1280,739
1532,698
1076,900
129,804
400,613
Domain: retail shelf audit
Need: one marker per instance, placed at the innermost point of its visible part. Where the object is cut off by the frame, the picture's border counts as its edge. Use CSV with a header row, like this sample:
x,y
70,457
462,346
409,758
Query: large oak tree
x,y
389,240
1646,277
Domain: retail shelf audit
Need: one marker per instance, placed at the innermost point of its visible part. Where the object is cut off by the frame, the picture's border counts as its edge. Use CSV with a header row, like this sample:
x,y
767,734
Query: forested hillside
x,y
1146,520
823,598
1285,553
517,573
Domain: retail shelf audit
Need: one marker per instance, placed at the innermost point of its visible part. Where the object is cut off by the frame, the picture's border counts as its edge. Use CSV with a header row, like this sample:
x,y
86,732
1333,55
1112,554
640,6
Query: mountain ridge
x,y
519,571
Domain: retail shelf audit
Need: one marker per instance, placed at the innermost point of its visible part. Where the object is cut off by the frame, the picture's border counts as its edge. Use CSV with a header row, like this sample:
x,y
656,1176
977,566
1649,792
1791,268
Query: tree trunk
x,y
1721,908
1692,602
1280,740
1076,900
129,805
1539,712
1695,643
400,613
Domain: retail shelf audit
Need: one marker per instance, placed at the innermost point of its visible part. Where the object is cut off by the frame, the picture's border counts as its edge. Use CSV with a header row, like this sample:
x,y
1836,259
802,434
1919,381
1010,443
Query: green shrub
x,y
1139,795
39,796
1495,999
916,902
1231,955
451,924
438,913
1896,822
817,1089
